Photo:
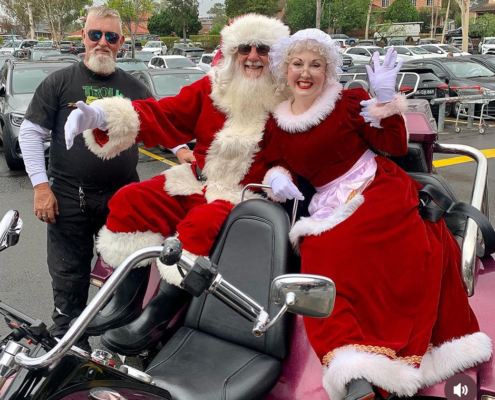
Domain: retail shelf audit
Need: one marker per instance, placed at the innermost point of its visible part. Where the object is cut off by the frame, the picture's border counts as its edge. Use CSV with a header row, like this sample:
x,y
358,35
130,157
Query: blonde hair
x,y
104,12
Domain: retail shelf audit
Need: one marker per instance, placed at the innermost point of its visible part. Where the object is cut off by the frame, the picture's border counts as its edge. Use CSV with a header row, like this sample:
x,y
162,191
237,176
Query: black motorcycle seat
x,y
214,355
456,223
220,370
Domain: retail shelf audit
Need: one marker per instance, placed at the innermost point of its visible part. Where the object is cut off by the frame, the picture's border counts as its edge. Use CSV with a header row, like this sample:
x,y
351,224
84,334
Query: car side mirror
x,y
304,294
444,77
2,90
10,229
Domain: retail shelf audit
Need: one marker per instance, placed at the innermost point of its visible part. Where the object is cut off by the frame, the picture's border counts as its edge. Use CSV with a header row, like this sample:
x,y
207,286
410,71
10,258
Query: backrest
x,y
251,249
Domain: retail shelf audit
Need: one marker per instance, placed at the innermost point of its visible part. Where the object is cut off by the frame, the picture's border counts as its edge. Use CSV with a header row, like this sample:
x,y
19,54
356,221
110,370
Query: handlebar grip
x,y
172,251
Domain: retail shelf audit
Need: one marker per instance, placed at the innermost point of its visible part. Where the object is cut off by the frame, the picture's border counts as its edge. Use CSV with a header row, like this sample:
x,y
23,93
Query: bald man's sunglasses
x,y
95,36
245,49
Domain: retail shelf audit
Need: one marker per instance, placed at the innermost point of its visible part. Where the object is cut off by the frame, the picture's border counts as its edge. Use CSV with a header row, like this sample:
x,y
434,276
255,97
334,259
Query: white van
x,y
400,30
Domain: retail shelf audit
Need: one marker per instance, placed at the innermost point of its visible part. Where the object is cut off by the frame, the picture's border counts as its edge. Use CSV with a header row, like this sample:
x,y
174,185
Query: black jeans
x,y
70,248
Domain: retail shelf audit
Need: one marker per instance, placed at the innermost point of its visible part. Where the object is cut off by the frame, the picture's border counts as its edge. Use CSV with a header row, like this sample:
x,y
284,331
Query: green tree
x,y
348,14
401,11
233,8
132,13
161,23
217,13
215,29
482,26
185,16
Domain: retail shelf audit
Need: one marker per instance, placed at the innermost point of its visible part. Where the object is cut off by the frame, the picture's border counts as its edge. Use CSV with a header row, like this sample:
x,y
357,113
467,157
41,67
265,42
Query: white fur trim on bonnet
x,y
279,53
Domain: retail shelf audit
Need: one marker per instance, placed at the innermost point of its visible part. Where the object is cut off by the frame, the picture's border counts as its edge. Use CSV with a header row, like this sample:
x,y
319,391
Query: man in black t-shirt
x,y
72,197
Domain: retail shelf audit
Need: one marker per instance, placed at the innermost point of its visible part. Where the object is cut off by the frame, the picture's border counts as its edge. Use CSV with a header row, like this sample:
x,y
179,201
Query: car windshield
x,y
468,69
207,59
418,50
179,63
490,41
36,55
153,44
143,56
12,44
27,80
381,51
449,49
137,65
170,85
196,53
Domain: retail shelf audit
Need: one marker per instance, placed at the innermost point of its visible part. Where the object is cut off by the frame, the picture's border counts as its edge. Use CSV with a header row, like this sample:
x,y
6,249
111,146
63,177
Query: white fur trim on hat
x,y
115,247
122,125
266,181
180,181
170,273
455,356
253,29
308,226
397,106
321,108
392,375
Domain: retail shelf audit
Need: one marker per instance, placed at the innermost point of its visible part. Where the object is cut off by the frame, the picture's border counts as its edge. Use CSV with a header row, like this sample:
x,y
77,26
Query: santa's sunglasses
x,y
245,49
95,36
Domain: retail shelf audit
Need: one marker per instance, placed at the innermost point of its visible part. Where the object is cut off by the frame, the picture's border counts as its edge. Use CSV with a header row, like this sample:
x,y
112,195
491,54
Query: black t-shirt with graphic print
x,y
52,103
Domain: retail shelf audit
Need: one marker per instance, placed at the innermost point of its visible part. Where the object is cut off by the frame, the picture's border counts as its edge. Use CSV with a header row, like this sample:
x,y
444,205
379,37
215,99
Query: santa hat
x,y
253,29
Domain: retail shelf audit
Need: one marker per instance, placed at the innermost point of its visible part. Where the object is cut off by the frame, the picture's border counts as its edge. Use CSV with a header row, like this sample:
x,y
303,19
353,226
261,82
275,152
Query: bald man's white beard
x,y
103,64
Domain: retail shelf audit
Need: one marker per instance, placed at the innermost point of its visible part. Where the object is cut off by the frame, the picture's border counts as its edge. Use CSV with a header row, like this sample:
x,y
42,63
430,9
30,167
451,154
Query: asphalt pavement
x,y
24,278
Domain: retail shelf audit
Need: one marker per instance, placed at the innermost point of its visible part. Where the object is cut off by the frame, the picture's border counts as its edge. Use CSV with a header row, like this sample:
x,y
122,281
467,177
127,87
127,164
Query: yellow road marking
x,y
489,153
475,123
163,160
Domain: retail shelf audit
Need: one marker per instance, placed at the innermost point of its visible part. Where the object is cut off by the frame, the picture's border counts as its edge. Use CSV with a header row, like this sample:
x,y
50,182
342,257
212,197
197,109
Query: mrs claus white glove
x,y
85,117
283,188
383,79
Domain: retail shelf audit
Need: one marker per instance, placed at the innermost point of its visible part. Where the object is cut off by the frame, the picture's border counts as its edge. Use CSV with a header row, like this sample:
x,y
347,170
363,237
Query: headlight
x,y
16,119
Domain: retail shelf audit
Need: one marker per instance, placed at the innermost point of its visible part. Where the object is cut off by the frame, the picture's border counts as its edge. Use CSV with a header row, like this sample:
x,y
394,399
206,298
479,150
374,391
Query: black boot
x,y
359,389
146,331
125,305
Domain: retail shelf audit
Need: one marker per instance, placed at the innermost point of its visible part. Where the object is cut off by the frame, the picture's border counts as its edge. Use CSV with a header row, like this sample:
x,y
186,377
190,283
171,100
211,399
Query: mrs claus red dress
x,y
401,318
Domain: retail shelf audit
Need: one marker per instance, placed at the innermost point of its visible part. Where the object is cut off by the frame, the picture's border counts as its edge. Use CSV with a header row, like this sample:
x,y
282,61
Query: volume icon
x,y
460,390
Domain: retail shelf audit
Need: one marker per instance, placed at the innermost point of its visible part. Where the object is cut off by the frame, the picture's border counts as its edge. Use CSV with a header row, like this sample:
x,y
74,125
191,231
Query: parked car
x,y
131,64
156,47
44,45
144,56
453,32
173,62
486,44
10,47
429,85
456,41
18,82
192,53
367,42
72,47
38,53
125,48
443,49
461,73
363,54
167,82
347,38
408,53
346,62
427,41
397,42
342,44
205,62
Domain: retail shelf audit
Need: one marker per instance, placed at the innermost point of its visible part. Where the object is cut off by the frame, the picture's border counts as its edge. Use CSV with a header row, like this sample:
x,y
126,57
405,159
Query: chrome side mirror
x,y
10,229
303,294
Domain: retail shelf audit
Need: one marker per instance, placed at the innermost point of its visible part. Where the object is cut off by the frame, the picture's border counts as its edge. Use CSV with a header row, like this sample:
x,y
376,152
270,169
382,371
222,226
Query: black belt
x,y
447,205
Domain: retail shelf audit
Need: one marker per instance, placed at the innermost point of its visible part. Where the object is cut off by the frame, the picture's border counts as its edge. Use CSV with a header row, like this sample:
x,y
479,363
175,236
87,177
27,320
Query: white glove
x,y
365,112
283,188
85,117
383,80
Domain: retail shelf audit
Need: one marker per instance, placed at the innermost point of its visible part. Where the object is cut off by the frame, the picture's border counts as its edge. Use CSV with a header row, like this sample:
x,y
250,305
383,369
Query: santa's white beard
x,y
103,64
248,96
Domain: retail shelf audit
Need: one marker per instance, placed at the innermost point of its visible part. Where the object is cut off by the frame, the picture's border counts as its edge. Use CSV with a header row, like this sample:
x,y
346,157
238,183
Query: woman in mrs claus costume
x,y
401,320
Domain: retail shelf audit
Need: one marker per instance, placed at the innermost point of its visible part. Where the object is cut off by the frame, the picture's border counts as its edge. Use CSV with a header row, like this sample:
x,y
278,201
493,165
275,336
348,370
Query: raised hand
x,y
383,78
84,117
283,188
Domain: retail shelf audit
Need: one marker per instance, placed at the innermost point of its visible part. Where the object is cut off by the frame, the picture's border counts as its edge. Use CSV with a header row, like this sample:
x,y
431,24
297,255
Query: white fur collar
x,y
320,109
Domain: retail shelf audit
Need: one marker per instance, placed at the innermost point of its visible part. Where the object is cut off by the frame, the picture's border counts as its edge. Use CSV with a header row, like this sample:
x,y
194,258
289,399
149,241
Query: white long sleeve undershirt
x,y
31,139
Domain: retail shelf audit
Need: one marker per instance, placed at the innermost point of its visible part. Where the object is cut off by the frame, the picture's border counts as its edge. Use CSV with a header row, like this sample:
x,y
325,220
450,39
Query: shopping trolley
x,y
463,105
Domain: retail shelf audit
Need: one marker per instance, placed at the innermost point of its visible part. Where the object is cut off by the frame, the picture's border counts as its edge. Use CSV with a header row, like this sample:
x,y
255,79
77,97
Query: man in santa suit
x,y
226,113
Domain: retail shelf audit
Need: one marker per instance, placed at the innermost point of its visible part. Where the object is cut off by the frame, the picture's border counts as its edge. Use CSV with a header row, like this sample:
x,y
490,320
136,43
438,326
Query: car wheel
x,y
13,163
